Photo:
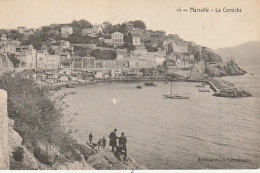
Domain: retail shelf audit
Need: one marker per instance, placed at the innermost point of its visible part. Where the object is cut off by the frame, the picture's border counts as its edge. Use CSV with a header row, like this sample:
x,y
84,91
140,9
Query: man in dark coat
x,y
122,144
113,138
90,137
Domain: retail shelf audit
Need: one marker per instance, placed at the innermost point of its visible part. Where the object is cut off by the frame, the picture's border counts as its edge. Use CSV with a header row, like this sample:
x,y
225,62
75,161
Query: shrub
x,y
36,116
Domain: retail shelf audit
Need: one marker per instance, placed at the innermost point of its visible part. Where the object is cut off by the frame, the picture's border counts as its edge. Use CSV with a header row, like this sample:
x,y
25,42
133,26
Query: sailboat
x,y
176,96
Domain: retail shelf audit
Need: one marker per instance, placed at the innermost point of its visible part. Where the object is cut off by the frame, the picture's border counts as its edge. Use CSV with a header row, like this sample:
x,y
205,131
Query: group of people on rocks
x,y
101,142
118,150
121,148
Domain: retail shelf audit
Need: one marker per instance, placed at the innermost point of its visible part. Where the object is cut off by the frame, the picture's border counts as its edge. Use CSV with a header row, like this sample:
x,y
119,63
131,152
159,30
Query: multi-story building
x,y
66,31
87,62
106,64
136,38
87,31
7,45
27,56
93,31
117,38
46,61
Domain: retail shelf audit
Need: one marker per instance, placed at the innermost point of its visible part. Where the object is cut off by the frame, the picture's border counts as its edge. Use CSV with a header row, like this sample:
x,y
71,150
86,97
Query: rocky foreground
x,y
227,89
48,157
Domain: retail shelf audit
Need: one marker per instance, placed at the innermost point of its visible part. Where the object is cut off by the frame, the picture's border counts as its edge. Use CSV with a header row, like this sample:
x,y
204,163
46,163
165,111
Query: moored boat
x,y
176,96
149,84
139,86
70,86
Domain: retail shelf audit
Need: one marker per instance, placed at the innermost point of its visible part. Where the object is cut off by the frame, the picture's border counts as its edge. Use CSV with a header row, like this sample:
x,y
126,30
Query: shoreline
x,y
221,88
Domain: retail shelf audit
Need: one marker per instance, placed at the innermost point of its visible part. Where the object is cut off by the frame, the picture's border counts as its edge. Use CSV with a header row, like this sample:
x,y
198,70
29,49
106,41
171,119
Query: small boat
x,y
57,88
149,84
139,86
176,96
204,90
70,86
202,85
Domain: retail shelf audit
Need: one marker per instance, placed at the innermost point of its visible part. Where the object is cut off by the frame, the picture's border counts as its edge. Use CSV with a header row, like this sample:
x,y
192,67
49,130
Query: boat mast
x,y
171,87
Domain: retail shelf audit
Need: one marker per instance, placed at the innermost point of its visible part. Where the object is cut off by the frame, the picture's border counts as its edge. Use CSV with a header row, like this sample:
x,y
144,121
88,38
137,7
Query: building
x,y
21,29
66,31
87,62
7,45
129,26
121,54
46,61
106,64
29,32
139,50
157,37
87,31
117,38
93,31
64,44
51,41
27,56
106,24
96,29
136,38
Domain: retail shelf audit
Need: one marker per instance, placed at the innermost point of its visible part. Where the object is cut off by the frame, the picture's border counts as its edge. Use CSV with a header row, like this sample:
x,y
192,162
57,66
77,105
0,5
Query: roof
x,y
86,28
136,34
117,32
66,27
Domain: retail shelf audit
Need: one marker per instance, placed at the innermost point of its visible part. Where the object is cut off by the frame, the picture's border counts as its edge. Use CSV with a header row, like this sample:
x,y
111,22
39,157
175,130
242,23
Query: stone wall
x,y
4,145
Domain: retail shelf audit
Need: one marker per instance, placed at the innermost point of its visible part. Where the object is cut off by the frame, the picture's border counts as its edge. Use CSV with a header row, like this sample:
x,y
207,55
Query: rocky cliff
x,y
5,64
46,156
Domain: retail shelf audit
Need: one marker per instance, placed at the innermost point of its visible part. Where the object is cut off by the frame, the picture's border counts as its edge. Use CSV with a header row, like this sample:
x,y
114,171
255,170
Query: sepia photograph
x,y
129,85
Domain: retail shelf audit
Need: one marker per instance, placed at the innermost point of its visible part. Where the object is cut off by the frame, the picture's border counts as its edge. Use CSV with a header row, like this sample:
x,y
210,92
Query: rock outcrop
x,y
227,89
5,64
20,157
224,69
106,160
48,157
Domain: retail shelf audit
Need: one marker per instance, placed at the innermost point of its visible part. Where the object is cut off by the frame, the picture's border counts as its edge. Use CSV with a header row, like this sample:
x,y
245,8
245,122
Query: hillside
x,y
247,53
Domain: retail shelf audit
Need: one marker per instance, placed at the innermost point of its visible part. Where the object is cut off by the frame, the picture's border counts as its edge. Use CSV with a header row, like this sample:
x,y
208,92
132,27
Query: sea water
x,y
201,132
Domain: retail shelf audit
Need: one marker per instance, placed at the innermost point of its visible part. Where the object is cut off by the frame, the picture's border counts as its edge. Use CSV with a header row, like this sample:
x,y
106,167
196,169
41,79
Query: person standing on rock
x,y
104,143
90,137
99,143
112,141
122,144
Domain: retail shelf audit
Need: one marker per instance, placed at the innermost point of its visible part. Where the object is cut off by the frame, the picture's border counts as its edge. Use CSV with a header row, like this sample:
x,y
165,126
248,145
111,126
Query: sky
x,y
214,30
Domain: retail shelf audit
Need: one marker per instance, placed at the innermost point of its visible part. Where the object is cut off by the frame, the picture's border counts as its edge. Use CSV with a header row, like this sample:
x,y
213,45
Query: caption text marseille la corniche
x,y
207,10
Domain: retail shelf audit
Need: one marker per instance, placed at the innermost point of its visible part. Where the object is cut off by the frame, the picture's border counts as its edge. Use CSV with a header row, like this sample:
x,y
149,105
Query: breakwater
x,y
224,88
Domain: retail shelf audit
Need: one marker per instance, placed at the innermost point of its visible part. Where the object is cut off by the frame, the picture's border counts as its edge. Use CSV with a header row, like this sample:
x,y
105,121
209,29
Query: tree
x,y
139,24
85,23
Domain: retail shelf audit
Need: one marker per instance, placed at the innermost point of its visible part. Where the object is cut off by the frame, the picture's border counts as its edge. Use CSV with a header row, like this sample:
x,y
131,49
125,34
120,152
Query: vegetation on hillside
x,y
36,116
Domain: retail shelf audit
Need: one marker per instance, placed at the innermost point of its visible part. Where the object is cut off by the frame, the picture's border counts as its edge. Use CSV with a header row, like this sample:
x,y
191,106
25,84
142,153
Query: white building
x,y
93,31
117,38
66,31
136,38
46,61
